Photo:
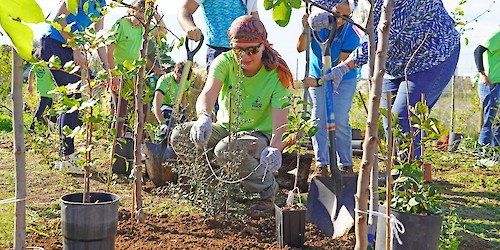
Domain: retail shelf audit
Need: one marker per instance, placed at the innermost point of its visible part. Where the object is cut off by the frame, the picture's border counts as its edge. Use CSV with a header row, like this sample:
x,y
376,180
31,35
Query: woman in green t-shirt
x,y
250,82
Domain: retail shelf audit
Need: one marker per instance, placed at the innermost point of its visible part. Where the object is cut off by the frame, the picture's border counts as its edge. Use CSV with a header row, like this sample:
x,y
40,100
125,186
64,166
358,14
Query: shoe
x,y
321,170
52,126
262,205
487,162
70,164
347,170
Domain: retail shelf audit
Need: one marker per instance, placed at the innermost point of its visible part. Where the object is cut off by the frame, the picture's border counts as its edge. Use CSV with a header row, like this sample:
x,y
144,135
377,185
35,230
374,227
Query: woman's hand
x,y
310,82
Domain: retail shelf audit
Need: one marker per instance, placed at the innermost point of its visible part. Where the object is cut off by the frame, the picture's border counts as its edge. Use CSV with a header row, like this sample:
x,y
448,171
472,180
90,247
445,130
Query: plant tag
x,y
289,199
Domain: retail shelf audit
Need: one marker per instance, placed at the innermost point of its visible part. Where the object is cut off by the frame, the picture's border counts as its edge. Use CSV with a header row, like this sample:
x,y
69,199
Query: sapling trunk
x,y
19,152
370,143
388,178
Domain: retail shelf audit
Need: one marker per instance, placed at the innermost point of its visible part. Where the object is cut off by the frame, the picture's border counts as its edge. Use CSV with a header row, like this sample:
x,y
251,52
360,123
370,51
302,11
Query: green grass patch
x,y
7,190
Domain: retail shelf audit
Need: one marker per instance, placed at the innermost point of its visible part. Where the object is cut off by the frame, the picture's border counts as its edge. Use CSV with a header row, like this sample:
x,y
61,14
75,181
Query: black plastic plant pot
x,y
89,225
421,231
454,140
124,155
290,226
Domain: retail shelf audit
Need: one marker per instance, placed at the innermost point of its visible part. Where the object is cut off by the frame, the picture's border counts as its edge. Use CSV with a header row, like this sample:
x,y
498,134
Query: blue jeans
x,y
51,47
342,101
430,82
490,99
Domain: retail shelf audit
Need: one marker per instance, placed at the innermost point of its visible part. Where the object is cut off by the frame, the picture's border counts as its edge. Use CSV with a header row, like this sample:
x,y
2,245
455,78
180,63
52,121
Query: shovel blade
x,y
333,214
156,155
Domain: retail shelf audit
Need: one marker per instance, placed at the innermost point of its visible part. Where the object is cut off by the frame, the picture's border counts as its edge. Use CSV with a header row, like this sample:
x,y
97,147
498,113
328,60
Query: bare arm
x,y
301,42
31,80
157,102
280,118
102,50
185,18
111,62
206,100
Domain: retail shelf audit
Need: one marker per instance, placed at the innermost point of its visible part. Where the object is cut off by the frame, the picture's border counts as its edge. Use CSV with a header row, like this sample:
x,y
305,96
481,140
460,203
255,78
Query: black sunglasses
x,y
248,50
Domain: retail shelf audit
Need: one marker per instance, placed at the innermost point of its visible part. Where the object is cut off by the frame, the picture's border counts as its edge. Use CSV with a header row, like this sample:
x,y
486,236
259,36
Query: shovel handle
x,y
327,43
191,53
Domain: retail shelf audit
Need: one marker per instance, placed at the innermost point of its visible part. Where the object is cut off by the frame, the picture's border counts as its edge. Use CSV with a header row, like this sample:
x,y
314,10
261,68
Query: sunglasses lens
x,y
249,51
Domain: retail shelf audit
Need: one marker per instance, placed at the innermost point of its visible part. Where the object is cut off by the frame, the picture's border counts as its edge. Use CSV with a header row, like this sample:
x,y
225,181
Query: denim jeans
x,y
490,99
430,82
342,101
51,47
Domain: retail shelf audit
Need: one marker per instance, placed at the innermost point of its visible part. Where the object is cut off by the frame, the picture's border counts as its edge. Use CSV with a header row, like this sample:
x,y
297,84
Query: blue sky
x,y
284,38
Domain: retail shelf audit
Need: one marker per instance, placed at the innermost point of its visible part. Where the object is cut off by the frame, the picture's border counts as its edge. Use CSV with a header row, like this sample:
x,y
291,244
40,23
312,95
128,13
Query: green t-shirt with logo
x,y
44,80
492,56
169,87
128,41
259,94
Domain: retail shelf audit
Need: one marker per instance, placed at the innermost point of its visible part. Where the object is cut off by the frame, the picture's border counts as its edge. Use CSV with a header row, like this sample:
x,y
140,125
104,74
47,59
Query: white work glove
x,y
272,157
201,130
320,19
335,75
162,131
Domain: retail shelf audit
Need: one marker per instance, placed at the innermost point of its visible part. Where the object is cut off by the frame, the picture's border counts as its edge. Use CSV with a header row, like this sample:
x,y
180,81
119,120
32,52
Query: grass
x,y
7,190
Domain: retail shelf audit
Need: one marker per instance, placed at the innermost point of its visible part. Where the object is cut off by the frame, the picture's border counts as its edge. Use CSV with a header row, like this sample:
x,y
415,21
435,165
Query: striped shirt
x,y
415,23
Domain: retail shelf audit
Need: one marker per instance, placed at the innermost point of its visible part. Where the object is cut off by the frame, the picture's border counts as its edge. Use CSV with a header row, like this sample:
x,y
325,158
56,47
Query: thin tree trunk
x,y
19,152
370,143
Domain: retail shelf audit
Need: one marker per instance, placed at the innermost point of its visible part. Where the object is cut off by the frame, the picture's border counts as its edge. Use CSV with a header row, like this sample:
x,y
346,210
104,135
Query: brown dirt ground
x,y
168,231
180,231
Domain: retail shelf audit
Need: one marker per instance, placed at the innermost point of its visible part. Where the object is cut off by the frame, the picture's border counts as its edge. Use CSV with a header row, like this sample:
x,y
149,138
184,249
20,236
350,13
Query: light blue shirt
x,y
346,40
219,15
81,20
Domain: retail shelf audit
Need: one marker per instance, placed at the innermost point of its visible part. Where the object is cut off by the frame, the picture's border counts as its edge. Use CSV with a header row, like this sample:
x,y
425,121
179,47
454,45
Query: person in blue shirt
x,y
218,15
423,46
345,41
54,43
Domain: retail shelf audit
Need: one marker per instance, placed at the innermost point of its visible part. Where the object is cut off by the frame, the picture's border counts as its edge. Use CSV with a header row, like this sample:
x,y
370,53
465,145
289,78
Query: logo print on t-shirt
x,y
257,104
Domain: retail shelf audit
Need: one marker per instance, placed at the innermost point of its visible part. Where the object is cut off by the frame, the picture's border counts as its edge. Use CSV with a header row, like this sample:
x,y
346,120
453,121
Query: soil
x,y
173,230
188,230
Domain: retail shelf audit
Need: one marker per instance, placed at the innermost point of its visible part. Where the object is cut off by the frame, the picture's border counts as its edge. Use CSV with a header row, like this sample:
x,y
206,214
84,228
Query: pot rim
x,y
116,198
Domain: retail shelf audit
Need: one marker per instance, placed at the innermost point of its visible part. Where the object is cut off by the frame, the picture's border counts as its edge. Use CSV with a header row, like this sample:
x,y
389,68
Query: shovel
x,y
330,201
158,153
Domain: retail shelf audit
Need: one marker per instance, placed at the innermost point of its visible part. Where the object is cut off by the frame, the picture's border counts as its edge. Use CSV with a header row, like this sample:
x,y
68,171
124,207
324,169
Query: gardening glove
x,y
335,75
320,19
201,130
271,157
162,131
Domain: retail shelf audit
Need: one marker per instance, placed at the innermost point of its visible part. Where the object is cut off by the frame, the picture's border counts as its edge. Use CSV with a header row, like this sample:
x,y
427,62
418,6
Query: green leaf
x,y
72,6
268,4
282,13
13,15
295,3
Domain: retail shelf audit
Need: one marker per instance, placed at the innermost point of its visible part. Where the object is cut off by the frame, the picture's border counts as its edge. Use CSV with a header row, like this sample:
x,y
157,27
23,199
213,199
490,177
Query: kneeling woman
x,y
251,82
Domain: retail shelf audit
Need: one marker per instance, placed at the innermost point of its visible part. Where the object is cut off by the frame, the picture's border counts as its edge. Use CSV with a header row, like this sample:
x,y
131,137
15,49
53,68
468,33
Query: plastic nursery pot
x,y
421,231
124,155
89,225
453,141
290,226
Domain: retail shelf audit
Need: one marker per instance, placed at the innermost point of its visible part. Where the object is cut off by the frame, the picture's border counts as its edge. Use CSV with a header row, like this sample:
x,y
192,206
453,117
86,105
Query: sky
x,y
284,38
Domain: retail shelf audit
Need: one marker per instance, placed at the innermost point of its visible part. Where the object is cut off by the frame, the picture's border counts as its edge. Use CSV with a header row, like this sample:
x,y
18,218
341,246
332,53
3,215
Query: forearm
x,y
478,58
280,119
302,41
157,102
185,18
